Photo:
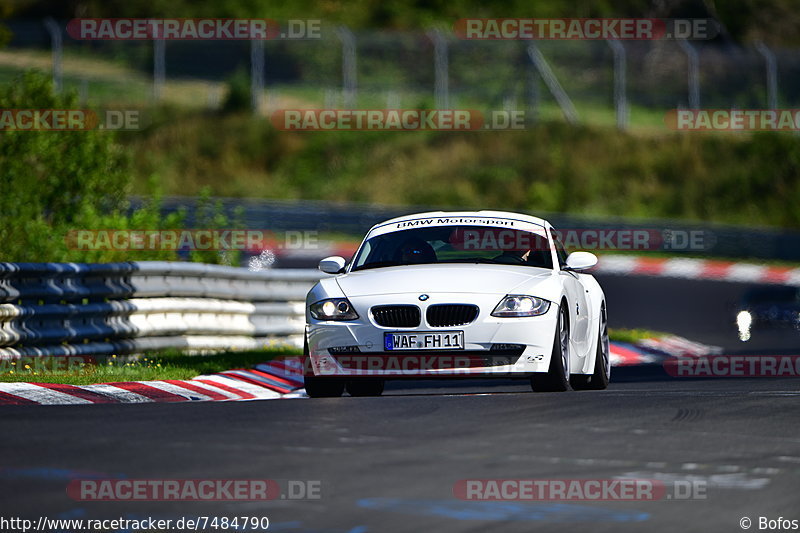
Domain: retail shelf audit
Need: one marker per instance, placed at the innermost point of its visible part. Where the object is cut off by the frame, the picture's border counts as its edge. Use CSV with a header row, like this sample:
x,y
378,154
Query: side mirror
x,y
581,260
332,265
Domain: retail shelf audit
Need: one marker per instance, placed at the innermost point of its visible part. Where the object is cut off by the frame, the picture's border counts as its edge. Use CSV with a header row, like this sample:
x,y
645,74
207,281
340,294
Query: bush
x,y
238,97
53,180
56,181
736,178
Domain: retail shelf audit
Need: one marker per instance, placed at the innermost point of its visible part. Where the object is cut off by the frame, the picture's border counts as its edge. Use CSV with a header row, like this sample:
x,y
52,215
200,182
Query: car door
x,y
577,301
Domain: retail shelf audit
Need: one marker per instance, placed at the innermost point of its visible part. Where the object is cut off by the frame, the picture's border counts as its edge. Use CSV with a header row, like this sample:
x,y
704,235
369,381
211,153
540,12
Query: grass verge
x,y
173,364
633,336
170,364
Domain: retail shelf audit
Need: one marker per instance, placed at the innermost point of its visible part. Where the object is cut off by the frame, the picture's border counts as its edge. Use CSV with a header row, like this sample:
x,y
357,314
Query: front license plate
x,y
424,340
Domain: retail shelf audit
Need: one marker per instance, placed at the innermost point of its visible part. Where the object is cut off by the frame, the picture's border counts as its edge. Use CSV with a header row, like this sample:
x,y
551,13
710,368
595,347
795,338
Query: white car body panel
x,y
481,284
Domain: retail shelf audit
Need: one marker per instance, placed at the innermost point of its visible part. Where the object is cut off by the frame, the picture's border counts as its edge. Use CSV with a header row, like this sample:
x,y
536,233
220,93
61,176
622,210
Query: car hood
x,y
453,278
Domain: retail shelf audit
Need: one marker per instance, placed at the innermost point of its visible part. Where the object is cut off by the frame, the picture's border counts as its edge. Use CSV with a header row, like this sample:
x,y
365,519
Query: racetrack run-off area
x,y
391,463
737,438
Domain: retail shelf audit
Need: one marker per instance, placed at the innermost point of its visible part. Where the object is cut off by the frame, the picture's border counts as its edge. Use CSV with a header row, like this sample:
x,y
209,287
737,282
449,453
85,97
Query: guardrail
x,y
114,308
718,240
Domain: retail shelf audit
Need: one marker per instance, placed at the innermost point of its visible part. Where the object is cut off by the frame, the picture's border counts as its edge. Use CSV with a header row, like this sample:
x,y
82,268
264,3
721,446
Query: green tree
x,y
56,181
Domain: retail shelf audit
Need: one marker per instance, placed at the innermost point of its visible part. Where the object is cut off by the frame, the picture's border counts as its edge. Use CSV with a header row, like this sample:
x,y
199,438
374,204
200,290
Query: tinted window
x,y
455,244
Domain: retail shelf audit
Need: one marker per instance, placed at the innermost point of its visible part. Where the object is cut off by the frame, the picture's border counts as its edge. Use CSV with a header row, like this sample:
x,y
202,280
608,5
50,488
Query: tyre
x,y
365,387
556,379
324,387
598,380
319,386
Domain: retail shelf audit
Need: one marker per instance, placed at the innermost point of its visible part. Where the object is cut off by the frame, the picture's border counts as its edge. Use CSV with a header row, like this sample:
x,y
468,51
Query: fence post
x,y
533,96
57,44
392,100
772,74
693,73
349,81
567,108
331,99
620,88
159,67
83,93
441,89
256,74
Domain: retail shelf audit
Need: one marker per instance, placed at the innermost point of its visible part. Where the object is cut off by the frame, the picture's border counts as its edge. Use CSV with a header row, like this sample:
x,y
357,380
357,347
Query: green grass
x,y
633,336
591,169
112,82
170,364
551,167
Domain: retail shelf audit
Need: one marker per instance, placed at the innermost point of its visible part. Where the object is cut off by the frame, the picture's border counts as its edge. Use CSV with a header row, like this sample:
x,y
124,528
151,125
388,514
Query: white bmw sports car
x,y
459,294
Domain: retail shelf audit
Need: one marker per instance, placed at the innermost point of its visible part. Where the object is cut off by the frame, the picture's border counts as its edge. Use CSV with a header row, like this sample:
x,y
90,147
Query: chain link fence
x,y
627,83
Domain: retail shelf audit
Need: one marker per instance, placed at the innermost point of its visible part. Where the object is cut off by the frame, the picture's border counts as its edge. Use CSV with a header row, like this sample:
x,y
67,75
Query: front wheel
x,y
597,380
556,379
319,386
324,386
365,387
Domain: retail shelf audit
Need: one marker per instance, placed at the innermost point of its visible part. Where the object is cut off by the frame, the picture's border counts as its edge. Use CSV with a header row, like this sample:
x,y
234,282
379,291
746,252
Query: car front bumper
x,y
493,346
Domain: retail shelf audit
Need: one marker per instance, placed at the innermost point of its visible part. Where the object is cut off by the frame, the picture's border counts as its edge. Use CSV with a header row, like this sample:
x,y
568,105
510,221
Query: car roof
x,y
467,214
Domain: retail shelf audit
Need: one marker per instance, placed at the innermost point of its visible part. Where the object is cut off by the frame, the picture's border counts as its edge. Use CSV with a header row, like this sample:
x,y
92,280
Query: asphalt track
x,y
701,310
390,463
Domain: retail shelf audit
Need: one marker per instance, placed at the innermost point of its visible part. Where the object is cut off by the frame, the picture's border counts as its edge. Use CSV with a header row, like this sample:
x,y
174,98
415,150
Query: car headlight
x,y
744,320
333,309
521,305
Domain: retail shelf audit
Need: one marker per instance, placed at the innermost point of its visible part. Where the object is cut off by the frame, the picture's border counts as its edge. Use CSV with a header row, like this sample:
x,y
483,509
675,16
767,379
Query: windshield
x,y
455,244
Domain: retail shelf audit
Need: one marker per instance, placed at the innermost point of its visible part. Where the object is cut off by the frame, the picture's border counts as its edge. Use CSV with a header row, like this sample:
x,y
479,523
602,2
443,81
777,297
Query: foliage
x,y
238,95
734,178
54,180
775,21
633,336
210,214
55,183
166,364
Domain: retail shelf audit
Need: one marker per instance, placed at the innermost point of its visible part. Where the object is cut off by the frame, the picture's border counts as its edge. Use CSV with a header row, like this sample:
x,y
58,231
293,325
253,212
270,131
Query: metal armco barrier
x,y
101,309
717,240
